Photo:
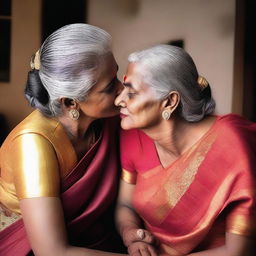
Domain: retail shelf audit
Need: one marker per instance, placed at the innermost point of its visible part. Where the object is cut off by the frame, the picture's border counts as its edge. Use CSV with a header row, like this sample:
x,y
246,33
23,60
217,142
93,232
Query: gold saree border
x,y
128,177
175,182
176,190
242,225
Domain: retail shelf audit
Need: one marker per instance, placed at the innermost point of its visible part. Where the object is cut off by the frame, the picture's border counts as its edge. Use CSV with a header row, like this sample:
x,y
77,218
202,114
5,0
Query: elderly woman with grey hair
x,y
59,166
187,173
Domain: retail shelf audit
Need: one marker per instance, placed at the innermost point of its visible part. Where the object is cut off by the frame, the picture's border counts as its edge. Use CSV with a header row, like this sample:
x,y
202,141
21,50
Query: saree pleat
x,y
98,187
13,240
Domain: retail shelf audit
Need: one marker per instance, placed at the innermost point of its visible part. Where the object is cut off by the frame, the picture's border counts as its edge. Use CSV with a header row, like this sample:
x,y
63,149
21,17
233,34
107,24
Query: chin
x,y
126,125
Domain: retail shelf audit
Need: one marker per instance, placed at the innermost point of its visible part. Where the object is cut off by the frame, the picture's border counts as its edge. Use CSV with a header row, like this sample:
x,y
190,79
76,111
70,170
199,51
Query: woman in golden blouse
x,y
59,166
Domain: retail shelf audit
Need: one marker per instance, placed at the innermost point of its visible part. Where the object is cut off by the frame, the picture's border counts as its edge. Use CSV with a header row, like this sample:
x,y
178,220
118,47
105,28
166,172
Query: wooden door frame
x,y
244,85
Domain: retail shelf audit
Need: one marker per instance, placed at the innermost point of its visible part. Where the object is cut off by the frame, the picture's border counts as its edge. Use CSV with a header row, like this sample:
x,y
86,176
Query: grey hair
x,y
167,68
70,63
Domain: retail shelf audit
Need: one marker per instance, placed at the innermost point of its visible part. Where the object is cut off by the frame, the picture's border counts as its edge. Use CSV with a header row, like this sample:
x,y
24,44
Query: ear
x,y
172,101
68,103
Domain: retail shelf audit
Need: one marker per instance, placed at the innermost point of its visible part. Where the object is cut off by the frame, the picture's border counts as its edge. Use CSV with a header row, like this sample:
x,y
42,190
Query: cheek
x,y
100,107
136,106
142,107
142,102
106,100
107,105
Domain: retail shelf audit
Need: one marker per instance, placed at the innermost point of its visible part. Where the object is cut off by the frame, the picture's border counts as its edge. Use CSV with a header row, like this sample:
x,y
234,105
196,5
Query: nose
x,y
119,101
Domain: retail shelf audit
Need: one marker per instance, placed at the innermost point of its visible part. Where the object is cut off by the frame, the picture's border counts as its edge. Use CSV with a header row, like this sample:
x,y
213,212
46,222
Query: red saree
x,y
208,191
88,196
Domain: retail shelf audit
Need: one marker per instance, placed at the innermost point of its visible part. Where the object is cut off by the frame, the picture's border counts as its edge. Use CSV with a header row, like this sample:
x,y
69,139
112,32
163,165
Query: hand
x,y
141,249
137,235
5,211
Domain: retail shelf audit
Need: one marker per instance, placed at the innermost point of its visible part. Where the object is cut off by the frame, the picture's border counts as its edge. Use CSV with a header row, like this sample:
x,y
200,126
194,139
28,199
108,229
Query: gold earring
x,y
166,114
74,114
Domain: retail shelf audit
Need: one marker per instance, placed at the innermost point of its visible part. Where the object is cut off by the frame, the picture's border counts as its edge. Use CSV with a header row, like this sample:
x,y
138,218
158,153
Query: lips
x,y
123,115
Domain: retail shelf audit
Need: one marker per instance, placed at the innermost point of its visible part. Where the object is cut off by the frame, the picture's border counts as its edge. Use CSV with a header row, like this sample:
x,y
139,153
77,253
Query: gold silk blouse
x,y
35,156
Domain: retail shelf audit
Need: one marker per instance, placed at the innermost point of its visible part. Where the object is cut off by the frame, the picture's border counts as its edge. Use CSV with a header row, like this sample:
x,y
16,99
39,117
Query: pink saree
x,y
88,196
208,191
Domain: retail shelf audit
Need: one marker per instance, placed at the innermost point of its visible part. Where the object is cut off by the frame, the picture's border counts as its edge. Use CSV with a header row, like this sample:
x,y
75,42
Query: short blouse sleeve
x,y
128,148
35,167
241,217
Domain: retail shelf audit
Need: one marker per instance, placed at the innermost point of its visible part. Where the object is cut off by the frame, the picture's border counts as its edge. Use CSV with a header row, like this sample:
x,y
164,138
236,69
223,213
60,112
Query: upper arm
x,y
128,148
125,193
241,198
37,182
44,224
34,167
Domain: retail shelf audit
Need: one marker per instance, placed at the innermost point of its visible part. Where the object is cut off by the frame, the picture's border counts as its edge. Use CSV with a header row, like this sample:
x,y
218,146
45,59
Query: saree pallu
x,y
208,191
88,197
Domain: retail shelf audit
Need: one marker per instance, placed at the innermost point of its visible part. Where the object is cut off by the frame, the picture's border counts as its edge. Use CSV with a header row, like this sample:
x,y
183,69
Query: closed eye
x,y
111,86
131,94
131,91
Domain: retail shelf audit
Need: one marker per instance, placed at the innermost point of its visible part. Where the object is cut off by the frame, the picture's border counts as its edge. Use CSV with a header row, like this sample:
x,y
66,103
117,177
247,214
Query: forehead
x,y
132,70
108,65
108,70
135,78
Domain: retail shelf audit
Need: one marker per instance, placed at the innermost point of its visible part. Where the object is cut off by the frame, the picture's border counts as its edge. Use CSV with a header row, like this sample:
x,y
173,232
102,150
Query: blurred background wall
x,y
209,30
25,39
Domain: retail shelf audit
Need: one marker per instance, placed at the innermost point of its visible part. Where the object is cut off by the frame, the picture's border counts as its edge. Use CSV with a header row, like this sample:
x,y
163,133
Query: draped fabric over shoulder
x,y
208,191
88,193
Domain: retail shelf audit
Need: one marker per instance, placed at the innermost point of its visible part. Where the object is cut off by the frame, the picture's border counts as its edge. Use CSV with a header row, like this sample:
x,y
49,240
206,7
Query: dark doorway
x,y
249,101
5,39
244,90
57,13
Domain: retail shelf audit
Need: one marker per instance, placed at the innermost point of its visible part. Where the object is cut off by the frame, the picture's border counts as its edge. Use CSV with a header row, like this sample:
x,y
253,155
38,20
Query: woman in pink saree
x,y
59,166
189,175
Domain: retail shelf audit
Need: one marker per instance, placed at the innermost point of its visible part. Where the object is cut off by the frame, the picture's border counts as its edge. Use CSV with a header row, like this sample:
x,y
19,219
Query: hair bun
x,y
36,93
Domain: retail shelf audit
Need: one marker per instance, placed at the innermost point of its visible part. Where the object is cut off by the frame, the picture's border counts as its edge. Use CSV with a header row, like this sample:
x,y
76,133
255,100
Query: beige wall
x,y
207,28
25,39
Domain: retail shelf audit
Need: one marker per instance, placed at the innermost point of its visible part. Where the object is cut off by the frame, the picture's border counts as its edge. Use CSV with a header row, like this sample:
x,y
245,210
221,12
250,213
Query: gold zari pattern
x,y
128,177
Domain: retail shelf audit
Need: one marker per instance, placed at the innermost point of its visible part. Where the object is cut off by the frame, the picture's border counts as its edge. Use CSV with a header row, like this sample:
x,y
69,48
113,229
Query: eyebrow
x,y
128,85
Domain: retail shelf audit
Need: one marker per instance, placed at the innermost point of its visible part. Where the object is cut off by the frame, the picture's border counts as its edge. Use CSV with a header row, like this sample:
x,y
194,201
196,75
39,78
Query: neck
x,y
76,130
168,135
175,136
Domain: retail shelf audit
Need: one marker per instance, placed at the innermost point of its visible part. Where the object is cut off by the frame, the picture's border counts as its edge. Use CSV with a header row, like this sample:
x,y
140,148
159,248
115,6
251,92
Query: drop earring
x,y
74,114
166,114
